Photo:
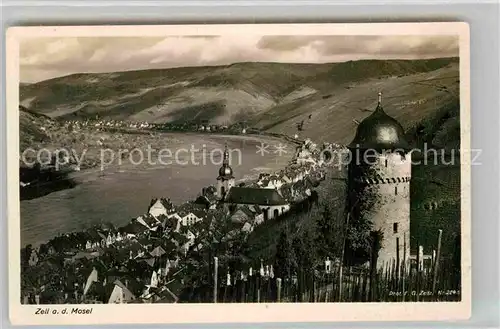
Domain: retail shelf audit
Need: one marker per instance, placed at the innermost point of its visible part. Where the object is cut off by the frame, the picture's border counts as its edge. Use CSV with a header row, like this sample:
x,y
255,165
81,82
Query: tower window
x,y
395,190
395,228
386,162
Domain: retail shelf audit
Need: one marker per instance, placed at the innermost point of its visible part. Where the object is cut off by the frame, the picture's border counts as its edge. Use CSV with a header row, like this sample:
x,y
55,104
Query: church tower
x,y
225,180
379,183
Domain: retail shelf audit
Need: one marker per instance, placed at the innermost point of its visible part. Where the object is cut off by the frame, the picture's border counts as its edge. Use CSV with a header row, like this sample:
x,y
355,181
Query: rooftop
x,y
250,195
379,131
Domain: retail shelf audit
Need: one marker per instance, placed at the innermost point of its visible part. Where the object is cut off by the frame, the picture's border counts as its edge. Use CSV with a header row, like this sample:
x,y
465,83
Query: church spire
x,y
225,181
225,171
225,161
379,103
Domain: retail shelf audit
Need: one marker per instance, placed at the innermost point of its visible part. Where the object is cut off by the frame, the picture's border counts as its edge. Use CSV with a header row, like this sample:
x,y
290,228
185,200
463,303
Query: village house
x,y
242,215
191,213
174,218
271,203
132,229
33,260
248,217
120,294
294,173
148,221
161,207
183,215
270,181
208,198
190,241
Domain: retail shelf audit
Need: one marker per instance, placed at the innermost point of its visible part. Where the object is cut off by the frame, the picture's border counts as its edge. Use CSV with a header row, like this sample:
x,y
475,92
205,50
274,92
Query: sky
x,y
46,58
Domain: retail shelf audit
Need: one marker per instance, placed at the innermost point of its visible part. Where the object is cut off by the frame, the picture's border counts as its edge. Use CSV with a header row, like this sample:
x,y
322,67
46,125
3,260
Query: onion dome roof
x,y
225,172
379,131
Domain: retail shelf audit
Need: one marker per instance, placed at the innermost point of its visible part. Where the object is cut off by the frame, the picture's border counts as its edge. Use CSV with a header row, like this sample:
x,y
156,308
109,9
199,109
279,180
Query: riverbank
x,y
98,152
121,192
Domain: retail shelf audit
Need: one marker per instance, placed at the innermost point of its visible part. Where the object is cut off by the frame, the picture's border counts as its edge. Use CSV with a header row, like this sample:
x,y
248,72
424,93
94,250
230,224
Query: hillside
x,y
33,128
270,96
328,98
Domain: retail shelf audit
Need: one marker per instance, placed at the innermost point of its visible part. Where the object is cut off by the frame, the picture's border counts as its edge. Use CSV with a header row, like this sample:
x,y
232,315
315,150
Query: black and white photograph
x,y
239,166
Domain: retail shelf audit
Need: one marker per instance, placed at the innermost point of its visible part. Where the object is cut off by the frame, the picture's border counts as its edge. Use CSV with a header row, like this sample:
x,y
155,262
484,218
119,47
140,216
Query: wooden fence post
x,y
349,285
404,266
420,254
373,270
258,287
314,288
433,259
269,290
340,282
278,296
343,255
243,297
398,270
436,264
216,272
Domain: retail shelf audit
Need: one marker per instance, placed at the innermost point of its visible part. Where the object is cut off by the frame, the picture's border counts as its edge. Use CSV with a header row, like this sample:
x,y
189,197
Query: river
x,y
122,192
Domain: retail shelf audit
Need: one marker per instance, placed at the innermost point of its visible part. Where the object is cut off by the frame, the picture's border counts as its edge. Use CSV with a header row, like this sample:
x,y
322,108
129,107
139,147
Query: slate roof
x,y
199,212
133,228
165,202
215,214
263,175
250,195
202,199
191,207
166,296
128,295
252,184
242,214
157,252
134,246
150,220
286,191
246,210
210,190
93,235
212,198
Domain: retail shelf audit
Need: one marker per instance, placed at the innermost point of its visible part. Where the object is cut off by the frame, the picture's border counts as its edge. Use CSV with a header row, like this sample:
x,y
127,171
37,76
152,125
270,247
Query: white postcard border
x,y
233,313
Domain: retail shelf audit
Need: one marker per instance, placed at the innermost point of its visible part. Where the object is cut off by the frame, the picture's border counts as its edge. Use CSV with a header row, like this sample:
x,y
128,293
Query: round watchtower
x,y
379,183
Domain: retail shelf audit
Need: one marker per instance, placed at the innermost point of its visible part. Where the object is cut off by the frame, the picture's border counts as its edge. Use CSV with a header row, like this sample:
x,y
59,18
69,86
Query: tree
x,y
328,227
306,258
219,237
362,200
358,241
284,256
26,254
305,249
376,238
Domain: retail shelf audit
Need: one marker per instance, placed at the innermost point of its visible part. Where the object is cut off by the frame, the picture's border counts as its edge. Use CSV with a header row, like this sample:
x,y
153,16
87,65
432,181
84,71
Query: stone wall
x,y
380,193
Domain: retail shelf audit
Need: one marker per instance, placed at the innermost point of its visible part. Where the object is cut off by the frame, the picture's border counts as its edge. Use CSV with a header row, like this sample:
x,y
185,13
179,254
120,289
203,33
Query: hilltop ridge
x,y
270,96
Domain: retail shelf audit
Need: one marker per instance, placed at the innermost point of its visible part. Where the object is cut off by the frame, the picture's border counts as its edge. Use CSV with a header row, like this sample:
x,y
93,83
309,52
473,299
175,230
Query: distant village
x,y
193,126
143,261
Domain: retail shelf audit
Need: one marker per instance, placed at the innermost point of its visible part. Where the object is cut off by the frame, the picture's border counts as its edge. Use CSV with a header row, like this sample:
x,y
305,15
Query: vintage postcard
x,y
239,173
